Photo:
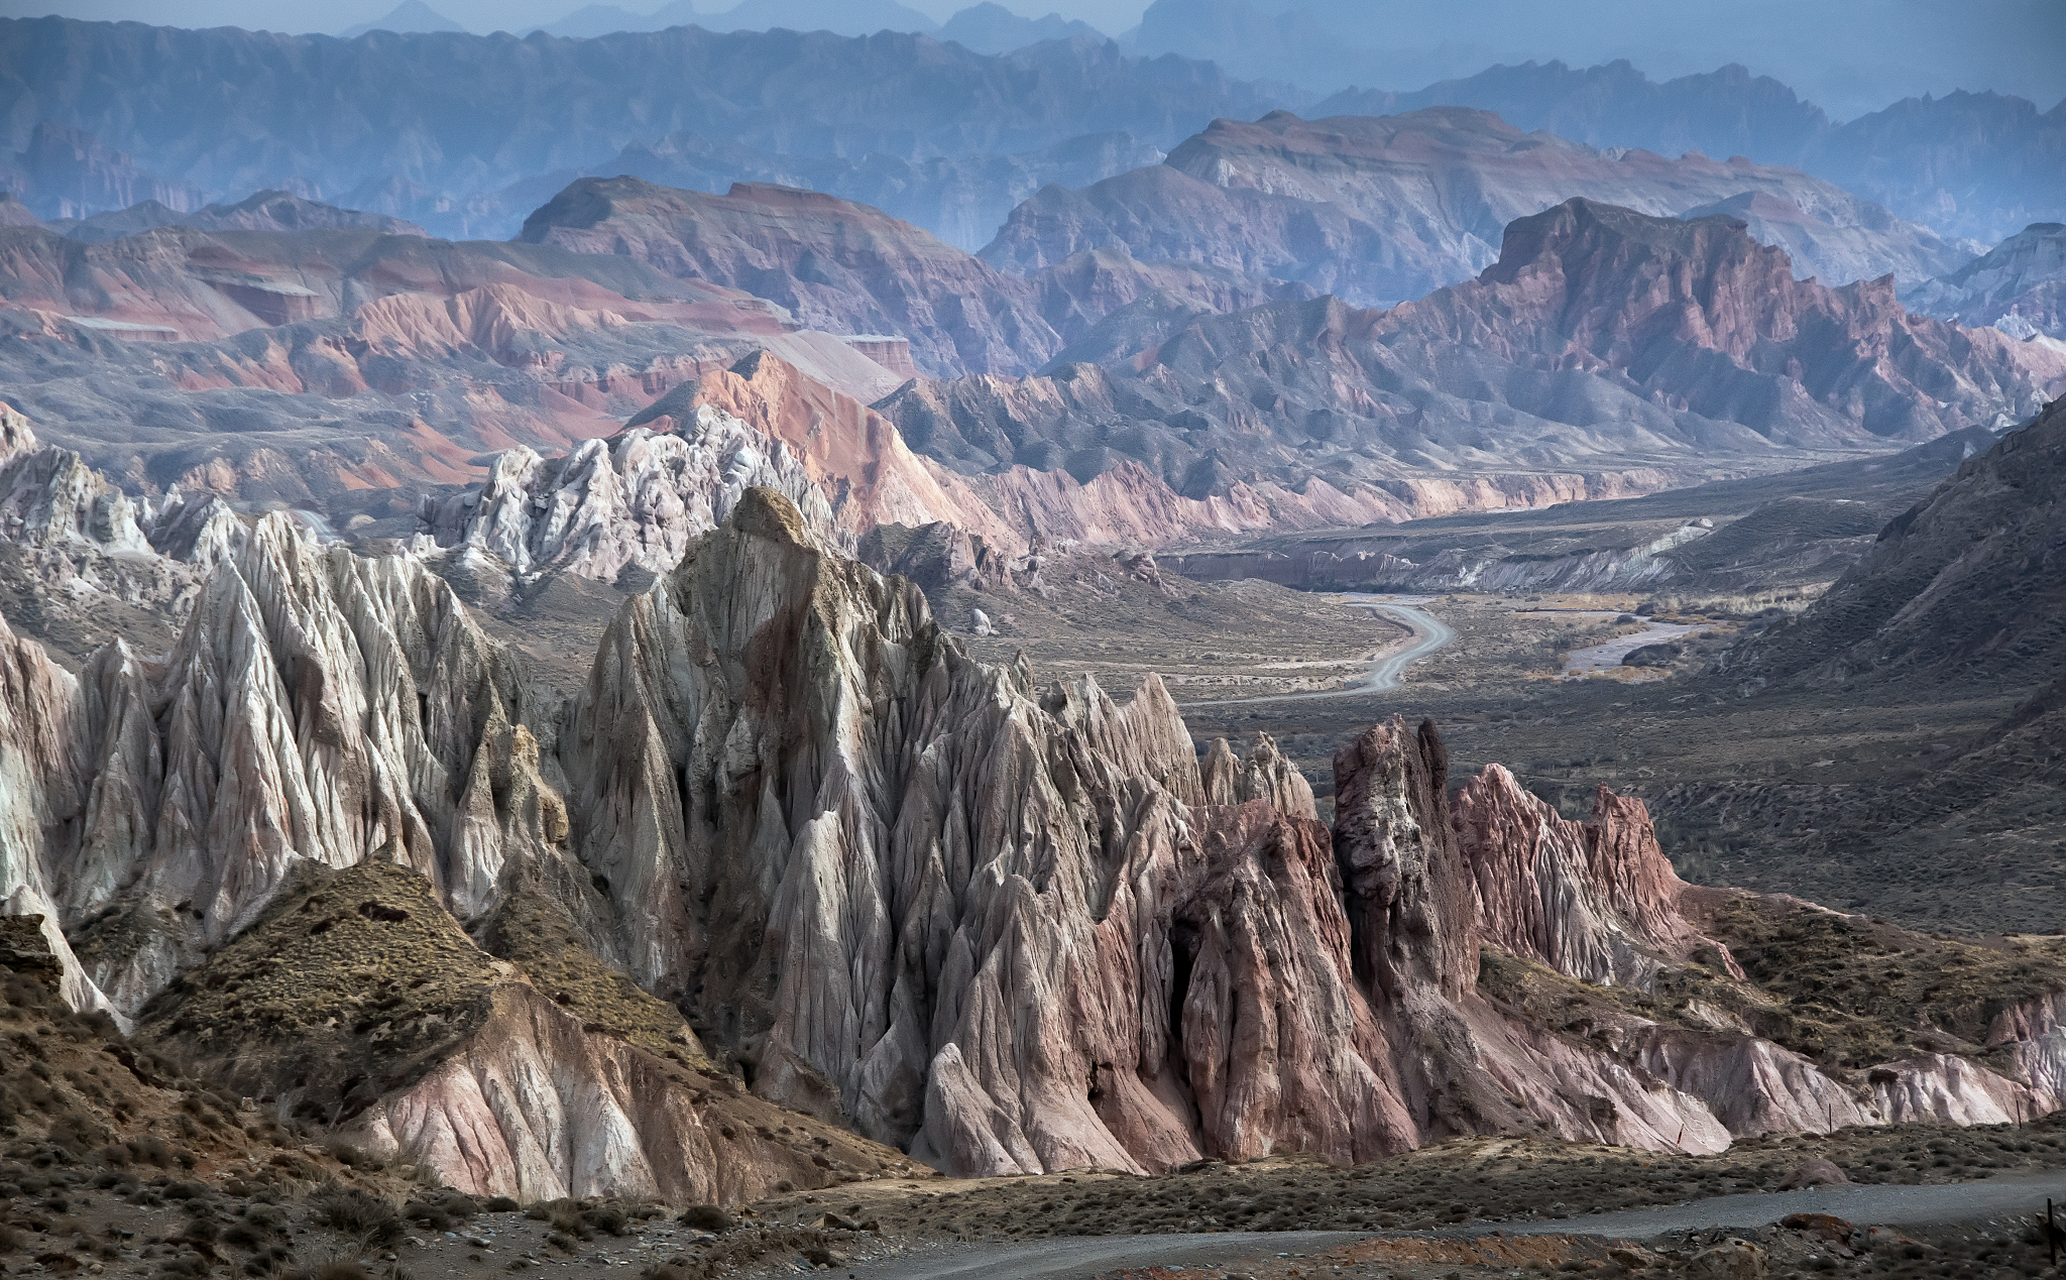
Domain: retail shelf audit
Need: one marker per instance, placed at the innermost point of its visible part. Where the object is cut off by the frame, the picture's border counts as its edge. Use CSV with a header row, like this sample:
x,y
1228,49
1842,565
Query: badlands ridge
x,y
791,848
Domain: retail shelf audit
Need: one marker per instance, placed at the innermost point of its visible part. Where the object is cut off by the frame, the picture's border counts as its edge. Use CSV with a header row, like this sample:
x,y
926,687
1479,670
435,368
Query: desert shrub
x,y
335,1269
350,1211
609,1219
500,1204
10,1239
564,1217
427,1214
706,1217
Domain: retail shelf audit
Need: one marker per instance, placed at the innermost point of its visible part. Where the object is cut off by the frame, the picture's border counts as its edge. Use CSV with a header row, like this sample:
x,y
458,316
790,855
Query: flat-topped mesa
x,y
1597,900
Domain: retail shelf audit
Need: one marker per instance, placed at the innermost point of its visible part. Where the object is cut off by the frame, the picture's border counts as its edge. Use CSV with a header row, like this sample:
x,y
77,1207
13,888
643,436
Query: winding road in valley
x,y
1387,668
1079,1257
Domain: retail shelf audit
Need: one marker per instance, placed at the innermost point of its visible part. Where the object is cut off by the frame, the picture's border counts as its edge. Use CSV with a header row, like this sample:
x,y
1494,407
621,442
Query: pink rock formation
x,y
836,265
1266,775
1597,901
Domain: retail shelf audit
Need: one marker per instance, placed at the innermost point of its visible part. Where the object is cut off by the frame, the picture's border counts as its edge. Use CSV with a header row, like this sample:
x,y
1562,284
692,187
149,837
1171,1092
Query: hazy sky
x,y
1109,16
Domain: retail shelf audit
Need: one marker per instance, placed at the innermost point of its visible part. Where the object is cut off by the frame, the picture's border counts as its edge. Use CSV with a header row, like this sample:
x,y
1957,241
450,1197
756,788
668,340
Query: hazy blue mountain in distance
x,y
408,17
1977,165
62,172
992,28
422,126
1851,59
985,28
841,17
603,19
1722,113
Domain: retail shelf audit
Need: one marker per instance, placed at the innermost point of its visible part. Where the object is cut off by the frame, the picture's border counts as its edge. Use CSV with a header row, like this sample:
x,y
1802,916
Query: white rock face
x,y
318,706
634,500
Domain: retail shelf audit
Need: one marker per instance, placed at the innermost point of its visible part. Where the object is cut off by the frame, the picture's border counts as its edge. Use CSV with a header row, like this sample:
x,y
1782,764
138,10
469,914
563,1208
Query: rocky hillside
x,y
789,837
1607,351
1381,209
1963,586
835,265
851,269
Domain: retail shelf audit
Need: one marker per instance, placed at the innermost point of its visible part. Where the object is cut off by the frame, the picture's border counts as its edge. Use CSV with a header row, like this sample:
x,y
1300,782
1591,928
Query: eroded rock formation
x,y
1003,927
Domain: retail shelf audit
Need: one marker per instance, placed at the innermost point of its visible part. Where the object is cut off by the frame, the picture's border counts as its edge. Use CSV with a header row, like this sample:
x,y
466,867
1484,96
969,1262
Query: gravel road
x,y
1078,1257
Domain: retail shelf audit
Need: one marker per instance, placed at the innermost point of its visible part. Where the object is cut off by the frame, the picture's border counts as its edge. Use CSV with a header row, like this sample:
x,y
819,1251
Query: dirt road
x,y
1386,668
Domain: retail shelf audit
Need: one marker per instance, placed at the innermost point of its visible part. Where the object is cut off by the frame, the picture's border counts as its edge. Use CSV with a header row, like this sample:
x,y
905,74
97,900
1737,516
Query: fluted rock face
x,y
1266,775
1005,928
317,706
918,892
1400,864
1596,901
69,524
636,500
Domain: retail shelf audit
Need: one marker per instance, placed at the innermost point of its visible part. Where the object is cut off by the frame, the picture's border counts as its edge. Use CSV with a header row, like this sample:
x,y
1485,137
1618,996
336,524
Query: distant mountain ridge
x,y
1972,164
1383,209
458,116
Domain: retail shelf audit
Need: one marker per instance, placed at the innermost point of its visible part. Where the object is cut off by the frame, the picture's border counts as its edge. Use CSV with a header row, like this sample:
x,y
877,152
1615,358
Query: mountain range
x,y
1381,209
865,118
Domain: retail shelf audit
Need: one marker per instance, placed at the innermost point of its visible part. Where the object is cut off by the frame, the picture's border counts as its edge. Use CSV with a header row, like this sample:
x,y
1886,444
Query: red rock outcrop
x,y
1596,900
